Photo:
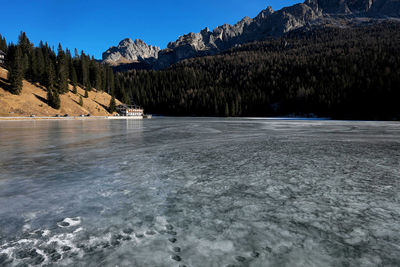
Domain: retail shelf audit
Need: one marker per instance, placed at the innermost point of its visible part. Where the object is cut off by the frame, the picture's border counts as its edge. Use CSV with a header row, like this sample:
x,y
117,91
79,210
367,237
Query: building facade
x,y
130,110
2,57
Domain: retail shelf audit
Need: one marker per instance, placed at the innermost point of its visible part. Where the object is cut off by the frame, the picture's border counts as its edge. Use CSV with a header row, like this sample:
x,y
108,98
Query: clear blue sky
x,y
95,25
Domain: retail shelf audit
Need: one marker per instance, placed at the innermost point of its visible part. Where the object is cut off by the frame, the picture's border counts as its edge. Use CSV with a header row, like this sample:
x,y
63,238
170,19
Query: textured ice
x,y
200,192
70,222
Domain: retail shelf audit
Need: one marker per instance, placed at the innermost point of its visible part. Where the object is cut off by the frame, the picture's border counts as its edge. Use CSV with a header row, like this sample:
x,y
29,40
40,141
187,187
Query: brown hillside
x,y
32,101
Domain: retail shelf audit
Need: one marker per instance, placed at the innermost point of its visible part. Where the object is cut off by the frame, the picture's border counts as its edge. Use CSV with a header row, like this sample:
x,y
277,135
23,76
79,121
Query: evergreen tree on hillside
x,y
125,98
84,70
95,75
113,106
76,54
27,50
56,100
69,63
74,81
53,98
26,66
80,101
16,72
50,76
24,43
62,71
33,72
9,60
86,93
110,81
40,65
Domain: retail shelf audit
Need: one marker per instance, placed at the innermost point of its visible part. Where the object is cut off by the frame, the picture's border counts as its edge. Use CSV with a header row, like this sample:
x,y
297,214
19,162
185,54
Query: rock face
x,y
268,23
371,8
128,51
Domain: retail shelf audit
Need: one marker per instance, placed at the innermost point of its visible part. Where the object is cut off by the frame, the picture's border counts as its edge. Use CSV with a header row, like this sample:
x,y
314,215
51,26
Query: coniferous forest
x,y
351,73
344,73
54,70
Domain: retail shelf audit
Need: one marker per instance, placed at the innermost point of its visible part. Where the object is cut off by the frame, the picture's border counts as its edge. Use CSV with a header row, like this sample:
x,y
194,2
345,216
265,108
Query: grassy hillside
x,y
32,101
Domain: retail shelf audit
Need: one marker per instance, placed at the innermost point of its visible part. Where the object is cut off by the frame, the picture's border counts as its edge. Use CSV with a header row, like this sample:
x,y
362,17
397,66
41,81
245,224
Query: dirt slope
x,y
32,101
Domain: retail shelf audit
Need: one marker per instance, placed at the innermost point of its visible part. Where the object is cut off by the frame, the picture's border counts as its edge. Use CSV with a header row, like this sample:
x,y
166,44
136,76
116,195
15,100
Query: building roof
x,y
125,106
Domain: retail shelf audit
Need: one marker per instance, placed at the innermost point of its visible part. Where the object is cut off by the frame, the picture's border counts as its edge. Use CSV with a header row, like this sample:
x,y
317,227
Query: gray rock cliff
x,y
128,51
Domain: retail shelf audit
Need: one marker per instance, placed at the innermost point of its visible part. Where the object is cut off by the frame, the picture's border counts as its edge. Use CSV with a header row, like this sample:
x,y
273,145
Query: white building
x,y
126,110
2,57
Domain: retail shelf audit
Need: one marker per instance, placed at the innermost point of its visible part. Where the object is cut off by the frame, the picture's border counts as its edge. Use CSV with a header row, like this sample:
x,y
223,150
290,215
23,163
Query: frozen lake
x,y
200,192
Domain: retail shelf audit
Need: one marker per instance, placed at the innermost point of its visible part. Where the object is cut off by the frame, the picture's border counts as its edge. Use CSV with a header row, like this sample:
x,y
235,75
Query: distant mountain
x,y
269,23
129,51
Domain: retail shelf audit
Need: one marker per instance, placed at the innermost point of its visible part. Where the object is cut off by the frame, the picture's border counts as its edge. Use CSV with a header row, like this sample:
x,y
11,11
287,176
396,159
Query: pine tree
x,y
80,101
62,69
16,75
86,93
49,96
41,67
34,71
113,106
98,80
26,50
74,81
49,76
84,70
76,54
26,66
53,98
125,98
110,81
57,101
3,44
68,63
24,43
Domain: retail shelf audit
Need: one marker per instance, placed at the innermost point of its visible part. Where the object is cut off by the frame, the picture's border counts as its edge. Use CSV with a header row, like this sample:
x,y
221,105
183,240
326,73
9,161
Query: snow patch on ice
x,y
46,232
70,222
78,230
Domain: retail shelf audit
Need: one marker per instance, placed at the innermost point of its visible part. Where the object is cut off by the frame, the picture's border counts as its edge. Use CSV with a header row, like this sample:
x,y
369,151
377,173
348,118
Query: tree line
x,y
55,70
349,73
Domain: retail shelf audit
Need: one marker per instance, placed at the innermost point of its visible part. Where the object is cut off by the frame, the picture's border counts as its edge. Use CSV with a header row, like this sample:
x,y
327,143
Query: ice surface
x,y
200,192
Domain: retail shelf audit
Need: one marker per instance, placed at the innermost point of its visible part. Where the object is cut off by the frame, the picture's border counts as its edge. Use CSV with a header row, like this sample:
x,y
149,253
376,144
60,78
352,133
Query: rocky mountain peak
x,y
129,51
265,13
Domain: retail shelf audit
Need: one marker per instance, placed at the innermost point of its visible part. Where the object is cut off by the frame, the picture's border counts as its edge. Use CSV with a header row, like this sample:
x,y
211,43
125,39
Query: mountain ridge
x,y
129,51
268,23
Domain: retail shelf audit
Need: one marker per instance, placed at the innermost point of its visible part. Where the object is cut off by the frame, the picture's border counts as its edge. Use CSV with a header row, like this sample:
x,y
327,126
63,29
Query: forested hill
x,y
349,73
54,72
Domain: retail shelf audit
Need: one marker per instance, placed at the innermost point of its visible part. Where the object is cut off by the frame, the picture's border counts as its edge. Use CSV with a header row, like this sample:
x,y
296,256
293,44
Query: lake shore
x,y
70,118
